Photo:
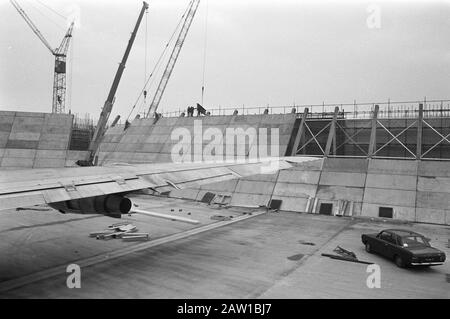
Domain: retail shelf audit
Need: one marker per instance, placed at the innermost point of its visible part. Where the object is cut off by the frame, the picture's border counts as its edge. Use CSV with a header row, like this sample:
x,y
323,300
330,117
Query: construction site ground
x,y
257,255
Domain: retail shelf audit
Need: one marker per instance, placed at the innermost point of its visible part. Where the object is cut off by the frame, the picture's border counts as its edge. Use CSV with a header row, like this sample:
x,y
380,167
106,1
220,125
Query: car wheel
x,y
368,248
399,262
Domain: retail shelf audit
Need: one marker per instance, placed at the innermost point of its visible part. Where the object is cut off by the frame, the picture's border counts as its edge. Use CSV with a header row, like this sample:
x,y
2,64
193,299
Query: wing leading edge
x,y
29,187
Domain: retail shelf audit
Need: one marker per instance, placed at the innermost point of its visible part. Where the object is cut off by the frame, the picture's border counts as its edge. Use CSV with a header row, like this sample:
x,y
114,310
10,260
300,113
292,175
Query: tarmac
x,y
250,254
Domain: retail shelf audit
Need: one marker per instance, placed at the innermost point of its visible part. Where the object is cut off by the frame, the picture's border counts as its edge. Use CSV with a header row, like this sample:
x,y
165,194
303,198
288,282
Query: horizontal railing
x,y
406,109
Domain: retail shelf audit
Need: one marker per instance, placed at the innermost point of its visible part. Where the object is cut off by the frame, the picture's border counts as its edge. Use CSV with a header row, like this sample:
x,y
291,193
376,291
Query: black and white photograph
x,y
224,155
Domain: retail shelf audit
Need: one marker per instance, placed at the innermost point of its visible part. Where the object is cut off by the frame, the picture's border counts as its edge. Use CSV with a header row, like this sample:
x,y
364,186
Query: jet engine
x,y
111,205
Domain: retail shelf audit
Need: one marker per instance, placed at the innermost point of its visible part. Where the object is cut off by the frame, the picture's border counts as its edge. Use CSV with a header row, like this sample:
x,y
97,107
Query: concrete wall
x,y
391,183
416,191
35,140
433,192
146,141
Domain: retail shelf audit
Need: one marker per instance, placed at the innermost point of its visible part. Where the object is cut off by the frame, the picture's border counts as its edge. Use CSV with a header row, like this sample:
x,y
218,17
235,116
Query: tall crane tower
x,y
60,54
173,57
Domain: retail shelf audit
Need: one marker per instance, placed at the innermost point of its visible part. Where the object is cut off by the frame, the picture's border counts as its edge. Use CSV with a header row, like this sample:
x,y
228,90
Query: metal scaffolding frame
x,y
301,135
330,150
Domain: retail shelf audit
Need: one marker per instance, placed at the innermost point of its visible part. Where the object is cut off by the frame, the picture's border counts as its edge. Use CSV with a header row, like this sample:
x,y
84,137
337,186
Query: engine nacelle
x,y
111,205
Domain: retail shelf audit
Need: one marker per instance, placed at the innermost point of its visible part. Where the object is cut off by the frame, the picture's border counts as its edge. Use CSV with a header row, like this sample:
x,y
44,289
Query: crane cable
x,y
46,16
165,52
145,56
158,63
53,10
145,53
204,50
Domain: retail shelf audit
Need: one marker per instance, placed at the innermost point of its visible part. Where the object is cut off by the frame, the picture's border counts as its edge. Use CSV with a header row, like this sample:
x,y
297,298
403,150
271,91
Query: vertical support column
x,y
419,133
334,142
332,133
373,133
300,131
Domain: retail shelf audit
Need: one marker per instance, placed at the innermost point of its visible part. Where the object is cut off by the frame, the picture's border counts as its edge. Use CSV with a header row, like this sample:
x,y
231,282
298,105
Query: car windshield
x,y
414,241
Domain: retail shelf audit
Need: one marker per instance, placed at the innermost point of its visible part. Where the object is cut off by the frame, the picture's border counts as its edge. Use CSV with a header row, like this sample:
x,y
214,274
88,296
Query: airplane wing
x,y
22,188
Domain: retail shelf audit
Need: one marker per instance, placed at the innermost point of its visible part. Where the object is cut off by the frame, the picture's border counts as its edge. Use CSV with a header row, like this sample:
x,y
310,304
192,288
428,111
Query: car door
x,y
392,248
386,241
378,243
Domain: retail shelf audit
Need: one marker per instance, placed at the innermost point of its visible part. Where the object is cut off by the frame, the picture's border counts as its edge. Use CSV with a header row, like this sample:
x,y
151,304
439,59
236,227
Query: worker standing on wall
x,y
190,111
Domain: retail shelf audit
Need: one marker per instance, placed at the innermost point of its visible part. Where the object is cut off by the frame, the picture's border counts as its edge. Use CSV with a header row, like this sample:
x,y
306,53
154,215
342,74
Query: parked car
x,y
405,247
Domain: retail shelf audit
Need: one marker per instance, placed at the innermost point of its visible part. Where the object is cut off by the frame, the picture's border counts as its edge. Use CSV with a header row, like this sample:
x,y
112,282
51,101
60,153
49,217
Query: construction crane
x,y
173,57
60,53
107,107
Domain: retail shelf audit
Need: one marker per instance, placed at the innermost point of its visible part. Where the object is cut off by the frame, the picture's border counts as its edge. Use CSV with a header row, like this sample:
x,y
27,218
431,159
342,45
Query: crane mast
x,y
59,78
107,107
60,53
173,58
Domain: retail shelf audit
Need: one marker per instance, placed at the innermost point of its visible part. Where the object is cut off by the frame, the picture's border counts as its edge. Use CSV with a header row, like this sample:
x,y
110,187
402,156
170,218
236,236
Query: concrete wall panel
x,y
343,179
345,165
433,168
240,199
404,182
390,197
433,184
293,204
253,187
300,177
400,212
340,193
19,162
49,162
294,190
388,166
21,153
430,215
433,200
21,144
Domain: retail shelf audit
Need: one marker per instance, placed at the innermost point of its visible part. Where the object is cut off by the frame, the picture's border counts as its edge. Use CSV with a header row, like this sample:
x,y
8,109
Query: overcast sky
x,y
258,52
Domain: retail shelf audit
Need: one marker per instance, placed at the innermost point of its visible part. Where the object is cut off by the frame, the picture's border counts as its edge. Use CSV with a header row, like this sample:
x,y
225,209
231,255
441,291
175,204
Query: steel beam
x,y
419,133
332,133
300,132
373,133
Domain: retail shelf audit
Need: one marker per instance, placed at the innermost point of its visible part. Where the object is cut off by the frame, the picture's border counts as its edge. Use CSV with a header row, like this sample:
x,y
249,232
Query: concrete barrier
x,y
36,140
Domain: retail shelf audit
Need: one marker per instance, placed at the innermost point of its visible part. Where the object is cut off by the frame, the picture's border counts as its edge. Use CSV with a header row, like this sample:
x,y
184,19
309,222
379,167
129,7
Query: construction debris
x,y
100,233
306,243
123,230
347,259
136,237
116,225
220,217
346,255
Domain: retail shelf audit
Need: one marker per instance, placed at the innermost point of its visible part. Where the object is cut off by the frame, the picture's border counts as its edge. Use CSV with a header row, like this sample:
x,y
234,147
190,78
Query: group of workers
x,y
200,110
